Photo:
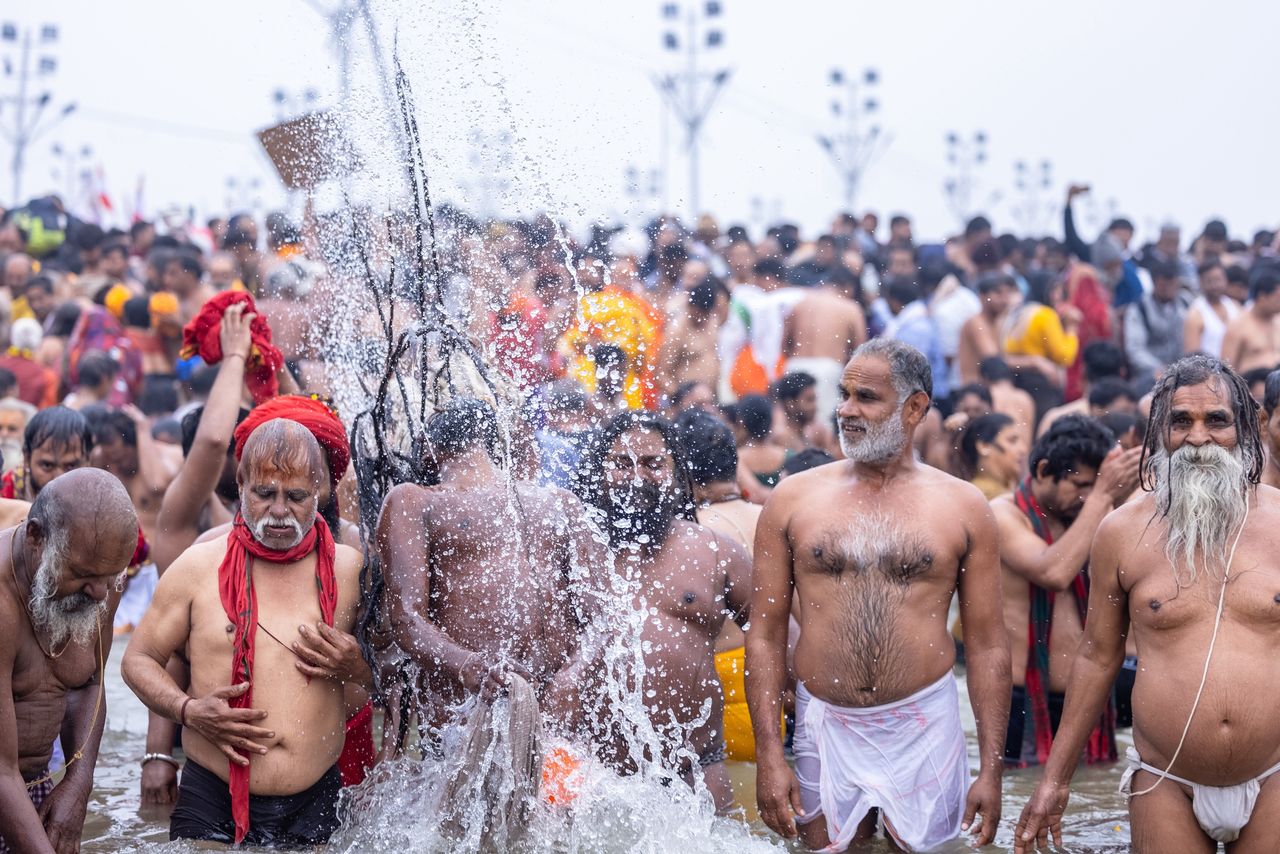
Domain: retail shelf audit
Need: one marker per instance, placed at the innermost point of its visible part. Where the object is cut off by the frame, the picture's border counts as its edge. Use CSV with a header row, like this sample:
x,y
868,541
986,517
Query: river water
x,y
1096,821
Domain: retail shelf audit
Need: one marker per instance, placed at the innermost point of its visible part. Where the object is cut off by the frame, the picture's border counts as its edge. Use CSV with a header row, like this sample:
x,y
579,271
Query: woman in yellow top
x,y
1041,335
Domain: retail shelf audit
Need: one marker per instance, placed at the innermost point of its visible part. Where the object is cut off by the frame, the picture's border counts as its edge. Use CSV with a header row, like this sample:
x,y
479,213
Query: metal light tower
x,y
854,144
965,159
642,188
30,62
692,92
1032,186
73,169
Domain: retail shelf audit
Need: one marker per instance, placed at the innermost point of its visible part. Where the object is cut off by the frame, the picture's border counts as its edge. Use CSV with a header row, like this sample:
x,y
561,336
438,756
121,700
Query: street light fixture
x,y
691,93
28,56
853,145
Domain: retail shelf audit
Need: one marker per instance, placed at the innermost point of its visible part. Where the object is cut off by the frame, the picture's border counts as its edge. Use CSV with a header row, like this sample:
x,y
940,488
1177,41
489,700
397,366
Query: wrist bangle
x,y
182,713
160,757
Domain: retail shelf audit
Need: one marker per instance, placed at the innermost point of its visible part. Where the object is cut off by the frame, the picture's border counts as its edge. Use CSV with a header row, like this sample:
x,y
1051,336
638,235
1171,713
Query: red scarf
x,y
1101,746
240,601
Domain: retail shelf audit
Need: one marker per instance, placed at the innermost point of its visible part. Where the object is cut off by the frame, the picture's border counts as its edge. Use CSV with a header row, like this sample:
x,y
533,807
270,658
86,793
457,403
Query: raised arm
x,y
198,477
1097,664
777,791
1054,567
986,647
21,827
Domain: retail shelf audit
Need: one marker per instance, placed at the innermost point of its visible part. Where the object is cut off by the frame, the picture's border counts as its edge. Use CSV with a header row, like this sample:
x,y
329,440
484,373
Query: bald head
x,y
78,539
88,503
281,446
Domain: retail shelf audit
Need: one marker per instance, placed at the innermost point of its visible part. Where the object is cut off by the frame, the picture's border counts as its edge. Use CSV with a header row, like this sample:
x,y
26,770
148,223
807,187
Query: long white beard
x,y
879,442
259,526
76,616
1202,494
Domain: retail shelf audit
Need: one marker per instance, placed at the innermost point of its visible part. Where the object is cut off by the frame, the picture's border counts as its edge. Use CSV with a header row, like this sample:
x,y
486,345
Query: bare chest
x,y
36,676
685,584
1251,599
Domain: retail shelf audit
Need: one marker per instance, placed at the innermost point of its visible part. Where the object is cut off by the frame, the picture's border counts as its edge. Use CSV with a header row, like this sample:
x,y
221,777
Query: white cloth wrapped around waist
x,y
906,758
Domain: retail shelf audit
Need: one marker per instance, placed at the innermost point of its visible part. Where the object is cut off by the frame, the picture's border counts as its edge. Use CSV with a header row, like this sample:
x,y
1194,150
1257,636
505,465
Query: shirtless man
x,y
1190,569
1046,527
500,593
689,578
1007,398
261,750
182,277
712,459
57,440
689,340
875,546
56,596
124,447
818,336
1271,435
1207,318
1252,340
803,424
981,334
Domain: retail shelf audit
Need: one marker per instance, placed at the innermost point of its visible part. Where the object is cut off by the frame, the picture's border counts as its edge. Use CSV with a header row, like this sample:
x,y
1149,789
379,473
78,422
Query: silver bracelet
x,y
162,757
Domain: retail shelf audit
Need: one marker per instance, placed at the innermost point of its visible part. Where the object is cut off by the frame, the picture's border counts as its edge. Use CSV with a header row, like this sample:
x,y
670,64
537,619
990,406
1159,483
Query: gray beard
x,y
76,616
880,442
1202,495
258,527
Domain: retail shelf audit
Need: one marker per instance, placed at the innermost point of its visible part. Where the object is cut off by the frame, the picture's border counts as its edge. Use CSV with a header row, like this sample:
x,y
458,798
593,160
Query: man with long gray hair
x,y
1191,570
58,586
875,546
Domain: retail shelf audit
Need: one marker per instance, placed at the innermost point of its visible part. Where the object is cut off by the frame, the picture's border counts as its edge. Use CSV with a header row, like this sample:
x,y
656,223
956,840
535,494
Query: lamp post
x,y
853,145
291,104
29,61
691,92
73,167
1032,186
966,157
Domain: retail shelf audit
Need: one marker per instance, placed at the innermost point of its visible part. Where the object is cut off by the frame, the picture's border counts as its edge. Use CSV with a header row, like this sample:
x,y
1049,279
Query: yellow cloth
x,y
1039,332
990,486
740,741
613,316
20,309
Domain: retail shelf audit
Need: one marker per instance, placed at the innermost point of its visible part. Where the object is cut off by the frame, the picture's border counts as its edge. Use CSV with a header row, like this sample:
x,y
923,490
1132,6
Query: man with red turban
x,y
262,723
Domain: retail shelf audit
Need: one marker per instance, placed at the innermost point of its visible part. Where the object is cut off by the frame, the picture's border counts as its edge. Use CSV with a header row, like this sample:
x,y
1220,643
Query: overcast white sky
x,y
1165,107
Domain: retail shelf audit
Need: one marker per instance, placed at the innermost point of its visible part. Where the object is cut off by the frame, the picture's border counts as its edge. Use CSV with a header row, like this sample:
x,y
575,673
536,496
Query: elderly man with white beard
x,y
59,579
1191,569
875,546
262,726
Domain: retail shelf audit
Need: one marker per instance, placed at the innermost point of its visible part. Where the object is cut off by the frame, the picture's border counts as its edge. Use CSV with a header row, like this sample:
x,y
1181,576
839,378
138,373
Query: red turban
x,y
310,413
200,338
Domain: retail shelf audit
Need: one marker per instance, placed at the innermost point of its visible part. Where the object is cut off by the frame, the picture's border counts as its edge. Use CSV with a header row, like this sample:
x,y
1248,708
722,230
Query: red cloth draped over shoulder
x,y
200,338
240,602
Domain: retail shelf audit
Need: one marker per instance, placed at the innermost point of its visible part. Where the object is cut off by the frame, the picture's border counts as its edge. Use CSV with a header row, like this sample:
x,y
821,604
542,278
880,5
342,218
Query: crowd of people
x,y
833,466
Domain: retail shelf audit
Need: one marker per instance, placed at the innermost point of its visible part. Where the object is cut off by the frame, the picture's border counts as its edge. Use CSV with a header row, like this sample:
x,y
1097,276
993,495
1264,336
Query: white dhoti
x,y
827,372
907,759
136,598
